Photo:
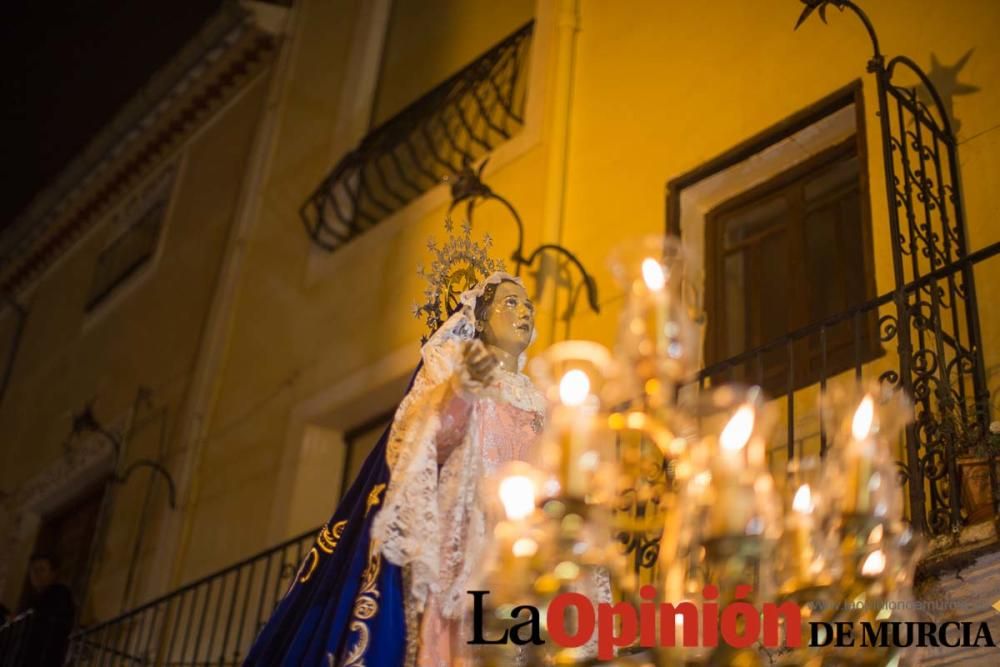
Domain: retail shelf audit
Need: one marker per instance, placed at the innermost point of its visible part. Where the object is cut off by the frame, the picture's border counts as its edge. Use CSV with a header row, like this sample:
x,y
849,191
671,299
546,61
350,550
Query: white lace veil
x,y
462,324
430,519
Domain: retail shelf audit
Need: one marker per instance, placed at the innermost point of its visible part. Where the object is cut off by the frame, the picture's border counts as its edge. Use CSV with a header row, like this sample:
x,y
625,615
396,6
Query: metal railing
x,y
14,640
928,468
926,464
935,321
33,640
456,123
211,621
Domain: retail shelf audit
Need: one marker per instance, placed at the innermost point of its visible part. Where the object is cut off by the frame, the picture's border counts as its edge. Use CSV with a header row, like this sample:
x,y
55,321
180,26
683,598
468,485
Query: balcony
x,y
459,121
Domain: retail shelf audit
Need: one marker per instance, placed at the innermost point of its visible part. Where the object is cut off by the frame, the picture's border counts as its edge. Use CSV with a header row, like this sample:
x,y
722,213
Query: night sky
x,y
67,67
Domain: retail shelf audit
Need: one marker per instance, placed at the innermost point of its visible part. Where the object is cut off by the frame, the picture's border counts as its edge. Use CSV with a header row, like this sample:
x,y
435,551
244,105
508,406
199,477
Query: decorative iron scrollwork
x,y
469,189
936,324
456,123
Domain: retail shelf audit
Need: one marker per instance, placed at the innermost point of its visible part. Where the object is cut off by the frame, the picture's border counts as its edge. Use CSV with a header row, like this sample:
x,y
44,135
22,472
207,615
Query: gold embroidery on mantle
x,y
308,565
366,603
328,538
373,497
326,541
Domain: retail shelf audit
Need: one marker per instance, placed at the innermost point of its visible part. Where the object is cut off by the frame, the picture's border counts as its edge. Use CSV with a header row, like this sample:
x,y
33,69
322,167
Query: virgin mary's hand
x,y
480,363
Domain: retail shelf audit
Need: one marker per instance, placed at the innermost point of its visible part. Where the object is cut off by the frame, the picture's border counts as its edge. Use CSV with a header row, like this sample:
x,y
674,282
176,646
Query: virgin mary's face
x,y
510,319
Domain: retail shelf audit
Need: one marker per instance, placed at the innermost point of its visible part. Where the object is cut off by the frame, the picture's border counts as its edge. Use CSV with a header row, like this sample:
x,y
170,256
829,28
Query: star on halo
x,y
458,264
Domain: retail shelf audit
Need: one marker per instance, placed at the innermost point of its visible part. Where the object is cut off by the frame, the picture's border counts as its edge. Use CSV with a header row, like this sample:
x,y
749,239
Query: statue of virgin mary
x,y
385,584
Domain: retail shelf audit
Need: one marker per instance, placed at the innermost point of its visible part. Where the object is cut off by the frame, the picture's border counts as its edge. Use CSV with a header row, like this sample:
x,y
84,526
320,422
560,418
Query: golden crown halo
x,y
458,265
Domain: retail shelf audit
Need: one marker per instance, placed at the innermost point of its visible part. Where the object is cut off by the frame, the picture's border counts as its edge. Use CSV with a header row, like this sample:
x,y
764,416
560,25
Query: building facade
x,y
229,285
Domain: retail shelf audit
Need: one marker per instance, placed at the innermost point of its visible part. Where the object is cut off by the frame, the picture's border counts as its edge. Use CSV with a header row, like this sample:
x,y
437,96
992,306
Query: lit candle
x,y
646,323
801,526
653,275
874,564
734,438
575,431
655,331
734,505
517,495
733,509
858,458
655,297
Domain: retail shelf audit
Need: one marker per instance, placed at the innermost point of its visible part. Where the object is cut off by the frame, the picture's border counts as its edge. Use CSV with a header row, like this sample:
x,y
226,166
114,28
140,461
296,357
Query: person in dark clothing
x,y
51,607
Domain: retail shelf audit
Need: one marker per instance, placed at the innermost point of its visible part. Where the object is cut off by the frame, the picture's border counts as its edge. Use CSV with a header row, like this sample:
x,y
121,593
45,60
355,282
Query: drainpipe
x,y
553,218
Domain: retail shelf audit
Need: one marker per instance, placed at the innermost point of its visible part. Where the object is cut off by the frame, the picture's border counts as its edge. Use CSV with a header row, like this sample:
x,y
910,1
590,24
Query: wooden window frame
x,y
806,371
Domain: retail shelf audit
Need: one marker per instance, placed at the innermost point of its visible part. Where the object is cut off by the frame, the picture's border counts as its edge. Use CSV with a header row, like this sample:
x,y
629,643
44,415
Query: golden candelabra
x,y
749,572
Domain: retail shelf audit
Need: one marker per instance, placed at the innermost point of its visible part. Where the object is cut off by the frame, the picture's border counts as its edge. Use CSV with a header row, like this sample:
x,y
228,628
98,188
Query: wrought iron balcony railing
x,y
211,621
456,123
929,453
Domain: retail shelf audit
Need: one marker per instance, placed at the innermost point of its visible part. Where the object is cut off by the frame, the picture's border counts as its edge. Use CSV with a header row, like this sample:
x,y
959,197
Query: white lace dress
x,y
448,435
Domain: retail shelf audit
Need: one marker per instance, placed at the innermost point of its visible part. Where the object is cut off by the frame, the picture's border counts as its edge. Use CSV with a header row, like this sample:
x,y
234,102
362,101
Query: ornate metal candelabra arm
x,y
467,187
819,6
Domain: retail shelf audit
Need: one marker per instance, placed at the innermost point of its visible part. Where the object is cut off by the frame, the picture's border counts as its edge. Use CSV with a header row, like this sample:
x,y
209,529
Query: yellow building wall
x,y
426,41
147,336
305,321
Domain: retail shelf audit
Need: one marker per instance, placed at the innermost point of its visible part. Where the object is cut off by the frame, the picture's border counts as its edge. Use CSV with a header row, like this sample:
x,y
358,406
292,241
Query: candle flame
x,y
517,493
737,432
652,274
874,564
574,387
861,427
803,502
525,546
